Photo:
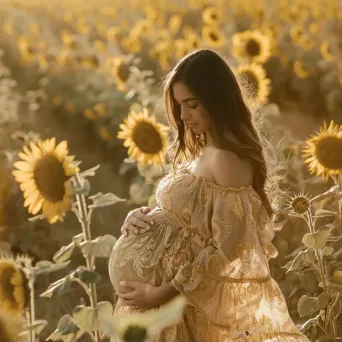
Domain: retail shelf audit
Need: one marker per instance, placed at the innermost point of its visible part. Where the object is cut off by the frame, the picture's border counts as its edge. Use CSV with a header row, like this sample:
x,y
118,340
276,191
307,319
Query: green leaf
x,y
67,330
325,338
37,326
90,172
104,200
84,317
46,266
57,288
86,276
37,218
81,189
327,250
105,310
303,259
100,247
308,305
64,253
316,240
324,213
78,238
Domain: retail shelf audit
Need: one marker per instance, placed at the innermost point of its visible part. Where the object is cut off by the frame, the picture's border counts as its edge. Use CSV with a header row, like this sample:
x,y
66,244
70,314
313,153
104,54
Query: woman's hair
x,y
211,80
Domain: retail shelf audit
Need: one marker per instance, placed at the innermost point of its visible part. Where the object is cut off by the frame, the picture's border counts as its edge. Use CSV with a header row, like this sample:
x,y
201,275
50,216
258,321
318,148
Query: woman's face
x,y
193,113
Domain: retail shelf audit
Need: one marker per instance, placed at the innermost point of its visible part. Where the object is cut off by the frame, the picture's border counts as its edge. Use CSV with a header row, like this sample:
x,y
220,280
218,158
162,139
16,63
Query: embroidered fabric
x,y
213,245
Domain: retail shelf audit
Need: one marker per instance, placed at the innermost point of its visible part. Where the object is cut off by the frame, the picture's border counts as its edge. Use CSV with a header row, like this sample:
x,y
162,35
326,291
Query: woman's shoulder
x,y
229,170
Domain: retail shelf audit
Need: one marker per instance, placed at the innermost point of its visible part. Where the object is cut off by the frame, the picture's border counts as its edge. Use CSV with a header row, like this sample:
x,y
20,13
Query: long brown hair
x,y
210,79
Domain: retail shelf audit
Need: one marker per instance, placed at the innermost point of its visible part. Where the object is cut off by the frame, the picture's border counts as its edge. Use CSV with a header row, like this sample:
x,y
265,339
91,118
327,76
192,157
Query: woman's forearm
x,y
167,292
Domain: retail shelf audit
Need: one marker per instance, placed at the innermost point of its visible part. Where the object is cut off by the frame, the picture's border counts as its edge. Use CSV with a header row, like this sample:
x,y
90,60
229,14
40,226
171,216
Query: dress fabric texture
x,y
213,244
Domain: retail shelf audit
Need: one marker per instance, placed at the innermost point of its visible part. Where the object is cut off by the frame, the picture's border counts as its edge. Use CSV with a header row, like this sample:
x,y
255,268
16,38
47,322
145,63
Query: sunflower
x,y
142,28
144,137
299,204
121,72
181,48
131,44
251,45
166,61
300,71
13,287
253,77
10,326
43,175
213,36
112,33
193,41
175,23
323,151
326,52
211,16
101,109
141,326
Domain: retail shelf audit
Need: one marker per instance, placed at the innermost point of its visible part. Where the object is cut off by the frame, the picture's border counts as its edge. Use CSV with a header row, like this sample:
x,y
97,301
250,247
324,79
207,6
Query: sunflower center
x,y
147,138
300,205
213,36
252,81
135,334
50,177
123,72
7,288
253,48
328,152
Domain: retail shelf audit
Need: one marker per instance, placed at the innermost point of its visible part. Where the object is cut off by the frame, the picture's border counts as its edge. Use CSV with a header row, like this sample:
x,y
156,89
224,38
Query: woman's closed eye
x,y
192,105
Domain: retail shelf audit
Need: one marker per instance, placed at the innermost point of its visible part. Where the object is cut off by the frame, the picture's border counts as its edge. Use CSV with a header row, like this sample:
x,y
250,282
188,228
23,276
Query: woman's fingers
x,y
143,217
137,220
128,296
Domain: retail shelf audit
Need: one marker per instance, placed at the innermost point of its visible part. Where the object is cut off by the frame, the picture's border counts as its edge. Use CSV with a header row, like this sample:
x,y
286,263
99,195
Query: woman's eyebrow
x,y
188,99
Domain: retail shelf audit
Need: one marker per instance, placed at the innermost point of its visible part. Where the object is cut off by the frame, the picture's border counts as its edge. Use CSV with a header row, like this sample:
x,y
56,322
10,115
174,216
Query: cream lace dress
x,y
213,245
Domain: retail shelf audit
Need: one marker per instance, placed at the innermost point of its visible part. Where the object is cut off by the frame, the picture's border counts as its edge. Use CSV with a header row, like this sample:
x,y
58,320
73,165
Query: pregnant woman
x,y
212,227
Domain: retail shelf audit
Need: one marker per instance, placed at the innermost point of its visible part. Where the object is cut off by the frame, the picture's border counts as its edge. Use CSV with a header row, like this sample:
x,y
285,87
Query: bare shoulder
x,y
229,170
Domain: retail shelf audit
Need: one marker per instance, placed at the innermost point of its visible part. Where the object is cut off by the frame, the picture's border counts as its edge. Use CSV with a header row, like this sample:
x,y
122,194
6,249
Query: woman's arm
x,y
145,295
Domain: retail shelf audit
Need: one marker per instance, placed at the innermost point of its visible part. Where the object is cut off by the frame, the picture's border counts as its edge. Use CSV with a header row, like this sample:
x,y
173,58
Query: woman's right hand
x,y
137,221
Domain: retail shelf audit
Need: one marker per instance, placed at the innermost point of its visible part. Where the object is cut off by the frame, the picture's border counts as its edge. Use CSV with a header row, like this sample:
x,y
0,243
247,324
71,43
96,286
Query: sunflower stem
x,y
29,331
32,307
319,256
85,223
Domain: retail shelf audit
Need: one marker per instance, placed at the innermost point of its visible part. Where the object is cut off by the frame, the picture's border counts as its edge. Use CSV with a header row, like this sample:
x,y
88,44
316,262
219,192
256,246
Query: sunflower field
x,y
82,127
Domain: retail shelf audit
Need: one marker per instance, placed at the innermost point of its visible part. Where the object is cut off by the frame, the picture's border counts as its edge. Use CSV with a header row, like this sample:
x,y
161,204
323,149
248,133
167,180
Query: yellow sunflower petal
x,y
23,166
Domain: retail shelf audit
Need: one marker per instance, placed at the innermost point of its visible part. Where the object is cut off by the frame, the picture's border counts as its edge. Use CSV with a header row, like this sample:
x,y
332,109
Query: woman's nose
x,y
184,114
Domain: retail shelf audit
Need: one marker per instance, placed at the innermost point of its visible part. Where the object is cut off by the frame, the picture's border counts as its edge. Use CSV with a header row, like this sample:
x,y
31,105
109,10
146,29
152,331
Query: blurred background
x,y
75,70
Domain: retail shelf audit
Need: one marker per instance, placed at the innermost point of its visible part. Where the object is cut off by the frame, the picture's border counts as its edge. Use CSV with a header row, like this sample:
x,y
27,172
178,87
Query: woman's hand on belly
x,y
137,220
144,295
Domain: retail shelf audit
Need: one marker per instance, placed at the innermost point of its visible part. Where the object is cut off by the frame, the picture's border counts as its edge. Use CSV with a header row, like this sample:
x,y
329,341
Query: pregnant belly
x,y
138,257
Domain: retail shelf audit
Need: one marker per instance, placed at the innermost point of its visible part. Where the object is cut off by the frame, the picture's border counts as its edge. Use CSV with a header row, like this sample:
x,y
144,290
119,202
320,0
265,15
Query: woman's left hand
x,y
137,294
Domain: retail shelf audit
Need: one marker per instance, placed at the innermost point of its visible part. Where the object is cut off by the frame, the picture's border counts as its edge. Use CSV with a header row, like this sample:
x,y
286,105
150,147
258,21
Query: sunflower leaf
x,y
100,247
316,240
64,253
103,200
82,189
67,330
323,213
78,238
84,317
90,172
327,250
308,305
300,261
37,326
86,276
57,288
46,266
36,218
